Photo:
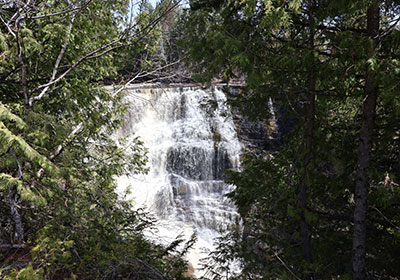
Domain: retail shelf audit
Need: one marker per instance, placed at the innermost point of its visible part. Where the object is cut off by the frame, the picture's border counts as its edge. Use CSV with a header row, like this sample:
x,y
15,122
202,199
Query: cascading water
x,y
191,140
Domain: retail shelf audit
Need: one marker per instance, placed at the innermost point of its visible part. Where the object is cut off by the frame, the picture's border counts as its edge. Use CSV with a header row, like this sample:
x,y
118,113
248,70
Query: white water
x,y
189,144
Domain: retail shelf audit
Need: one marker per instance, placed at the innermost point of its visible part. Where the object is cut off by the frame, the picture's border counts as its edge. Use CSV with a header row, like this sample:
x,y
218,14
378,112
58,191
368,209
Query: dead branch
x,y
12,246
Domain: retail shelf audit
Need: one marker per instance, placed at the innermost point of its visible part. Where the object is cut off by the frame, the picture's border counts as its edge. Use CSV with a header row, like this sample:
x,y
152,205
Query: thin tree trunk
x,y
364,153
19,232
305,228
12,196
20,58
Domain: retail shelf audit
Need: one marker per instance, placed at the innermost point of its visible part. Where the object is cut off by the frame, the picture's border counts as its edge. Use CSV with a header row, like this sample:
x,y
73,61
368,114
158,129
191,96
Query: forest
x,y
321,200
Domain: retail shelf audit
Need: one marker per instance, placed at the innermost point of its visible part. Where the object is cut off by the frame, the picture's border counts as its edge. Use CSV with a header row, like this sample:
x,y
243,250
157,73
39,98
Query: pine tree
x,y
60,214
310,57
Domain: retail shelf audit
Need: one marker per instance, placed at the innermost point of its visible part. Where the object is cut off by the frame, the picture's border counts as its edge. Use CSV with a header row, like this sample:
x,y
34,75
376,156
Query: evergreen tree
x,y
159,58
320,63
60,214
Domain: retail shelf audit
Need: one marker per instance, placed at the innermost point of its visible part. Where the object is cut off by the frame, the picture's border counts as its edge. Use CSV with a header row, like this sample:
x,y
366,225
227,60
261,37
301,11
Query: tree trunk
x,y
19,232
308,145
12,196
364,152
305,228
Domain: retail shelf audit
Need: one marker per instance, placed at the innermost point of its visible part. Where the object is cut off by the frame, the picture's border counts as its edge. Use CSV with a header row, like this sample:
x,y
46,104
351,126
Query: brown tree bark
x,y
364,152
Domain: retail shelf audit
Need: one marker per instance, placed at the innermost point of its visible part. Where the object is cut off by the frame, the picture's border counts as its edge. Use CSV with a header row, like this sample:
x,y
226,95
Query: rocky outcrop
x,y
256,135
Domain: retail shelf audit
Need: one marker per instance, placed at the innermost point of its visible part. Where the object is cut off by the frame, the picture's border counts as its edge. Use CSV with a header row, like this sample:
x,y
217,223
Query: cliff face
x,y
260,135
256,135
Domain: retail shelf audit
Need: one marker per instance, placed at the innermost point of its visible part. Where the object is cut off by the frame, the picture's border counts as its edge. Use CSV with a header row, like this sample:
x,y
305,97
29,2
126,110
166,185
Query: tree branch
x,y
12,246
102,50
57,64
8,27
58,150
141,75
63,12
46,86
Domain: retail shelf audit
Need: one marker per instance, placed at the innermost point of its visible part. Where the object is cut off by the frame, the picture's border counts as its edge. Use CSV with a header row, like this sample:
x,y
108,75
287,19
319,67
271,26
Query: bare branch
x,y
12,246
8,27
57,64
15,265
391,27
141,75
58,150
45,87
63,12
125,85
18,13
386,218
100,51
286,266
149,27
60,55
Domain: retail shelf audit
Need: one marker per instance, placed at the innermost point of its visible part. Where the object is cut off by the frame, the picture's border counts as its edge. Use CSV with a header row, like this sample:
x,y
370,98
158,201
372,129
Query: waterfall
x,y
191,140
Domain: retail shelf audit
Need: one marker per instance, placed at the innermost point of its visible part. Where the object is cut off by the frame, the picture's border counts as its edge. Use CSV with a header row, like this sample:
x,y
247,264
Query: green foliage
x,y
27,273
156,56
6,115
57,149
268,45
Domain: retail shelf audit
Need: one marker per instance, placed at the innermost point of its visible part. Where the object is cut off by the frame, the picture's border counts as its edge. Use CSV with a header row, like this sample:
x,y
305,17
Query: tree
x,y
60,214
311,58
367,128
38,38
159,58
